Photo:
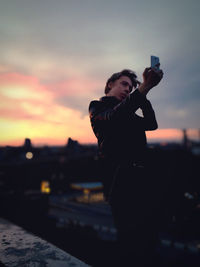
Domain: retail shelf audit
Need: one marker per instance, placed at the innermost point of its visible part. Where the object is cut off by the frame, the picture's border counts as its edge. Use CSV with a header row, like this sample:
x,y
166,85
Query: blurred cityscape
x,y
56,193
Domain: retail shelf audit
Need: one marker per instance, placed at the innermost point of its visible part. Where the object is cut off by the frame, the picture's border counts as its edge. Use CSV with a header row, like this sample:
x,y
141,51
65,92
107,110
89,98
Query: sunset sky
x,y
55,57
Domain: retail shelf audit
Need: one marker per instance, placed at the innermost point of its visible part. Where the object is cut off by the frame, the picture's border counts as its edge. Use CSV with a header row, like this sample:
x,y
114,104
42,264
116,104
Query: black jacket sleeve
x,y
149,119
99,112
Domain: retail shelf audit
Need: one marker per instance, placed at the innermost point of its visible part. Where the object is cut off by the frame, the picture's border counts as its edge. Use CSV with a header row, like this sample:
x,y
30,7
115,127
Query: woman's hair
x,y
126,72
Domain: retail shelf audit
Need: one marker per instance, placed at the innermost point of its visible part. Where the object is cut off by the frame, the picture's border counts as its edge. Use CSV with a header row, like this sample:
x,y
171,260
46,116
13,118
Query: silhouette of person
x,y
126,174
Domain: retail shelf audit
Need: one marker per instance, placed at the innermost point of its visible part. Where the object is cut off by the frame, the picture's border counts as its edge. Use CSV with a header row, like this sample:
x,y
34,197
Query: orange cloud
x,y
164,134
28,109
76,87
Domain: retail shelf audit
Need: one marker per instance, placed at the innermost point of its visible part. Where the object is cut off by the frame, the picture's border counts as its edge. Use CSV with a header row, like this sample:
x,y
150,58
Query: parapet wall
x,y
20,248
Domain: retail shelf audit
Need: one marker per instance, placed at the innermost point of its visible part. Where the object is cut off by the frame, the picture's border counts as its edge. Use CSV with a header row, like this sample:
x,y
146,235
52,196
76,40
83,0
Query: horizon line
x,y
166,135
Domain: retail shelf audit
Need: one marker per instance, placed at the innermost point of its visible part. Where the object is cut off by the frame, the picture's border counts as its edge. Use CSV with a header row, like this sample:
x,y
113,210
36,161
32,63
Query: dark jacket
x,y
120,132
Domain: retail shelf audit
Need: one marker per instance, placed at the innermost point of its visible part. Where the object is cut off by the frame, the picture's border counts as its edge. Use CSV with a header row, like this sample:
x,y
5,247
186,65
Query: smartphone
x,y
155,62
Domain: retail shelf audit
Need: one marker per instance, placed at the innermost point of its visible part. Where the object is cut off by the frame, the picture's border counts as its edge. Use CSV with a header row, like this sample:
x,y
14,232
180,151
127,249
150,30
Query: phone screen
x,y
155,62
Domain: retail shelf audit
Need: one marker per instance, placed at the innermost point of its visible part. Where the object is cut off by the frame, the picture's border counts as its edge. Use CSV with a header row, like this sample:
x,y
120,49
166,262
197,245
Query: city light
x,y
45,187
29,155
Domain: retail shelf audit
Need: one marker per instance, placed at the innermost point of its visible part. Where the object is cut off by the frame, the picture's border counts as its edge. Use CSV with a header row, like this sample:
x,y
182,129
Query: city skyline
x,y
162,137
56,57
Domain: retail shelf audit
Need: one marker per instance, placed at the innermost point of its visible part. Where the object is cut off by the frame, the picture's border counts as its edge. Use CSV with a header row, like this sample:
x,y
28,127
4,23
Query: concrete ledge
x,y
20,248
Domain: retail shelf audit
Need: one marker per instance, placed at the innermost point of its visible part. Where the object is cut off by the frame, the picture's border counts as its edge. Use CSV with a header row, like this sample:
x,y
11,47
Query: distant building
x,y
185,141
27,144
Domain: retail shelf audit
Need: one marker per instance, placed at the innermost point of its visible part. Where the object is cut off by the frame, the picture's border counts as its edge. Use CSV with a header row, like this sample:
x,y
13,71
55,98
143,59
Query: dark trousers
x,y
136,210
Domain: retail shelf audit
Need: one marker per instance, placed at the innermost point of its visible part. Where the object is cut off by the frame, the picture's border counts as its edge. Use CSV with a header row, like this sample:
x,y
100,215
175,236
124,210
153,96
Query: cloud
x,y
76,92
33,112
